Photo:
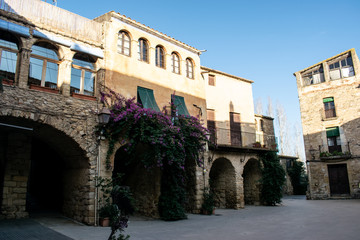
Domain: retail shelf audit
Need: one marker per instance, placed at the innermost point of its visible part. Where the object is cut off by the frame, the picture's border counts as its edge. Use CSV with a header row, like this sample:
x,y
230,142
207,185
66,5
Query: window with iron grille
x,y
329,107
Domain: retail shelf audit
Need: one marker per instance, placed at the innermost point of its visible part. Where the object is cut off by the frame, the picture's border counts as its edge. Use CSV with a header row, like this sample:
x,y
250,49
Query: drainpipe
x,y
96,181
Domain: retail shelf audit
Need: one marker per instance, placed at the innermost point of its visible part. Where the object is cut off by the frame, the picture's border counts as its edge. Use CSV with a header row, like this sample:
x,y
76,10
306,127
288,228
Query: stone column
x,y
64,77
23,67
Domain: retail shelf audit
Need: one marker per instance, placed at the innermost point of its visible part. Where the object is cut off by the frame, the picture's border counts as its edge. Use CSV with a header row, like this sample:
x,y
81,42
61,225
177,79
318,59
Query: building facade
x,y
53,65
329,104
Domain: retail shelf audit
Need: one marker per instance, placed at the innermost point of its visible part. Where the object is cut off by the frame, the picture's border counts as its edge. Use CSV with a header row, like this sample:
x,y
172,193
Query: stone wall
x,y
64,123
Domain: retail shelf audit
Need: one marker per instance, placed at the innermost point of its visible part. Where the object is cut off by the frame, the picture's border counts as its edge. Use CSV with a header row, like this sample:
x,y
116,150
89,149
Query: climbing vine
x,y
170,139
273,178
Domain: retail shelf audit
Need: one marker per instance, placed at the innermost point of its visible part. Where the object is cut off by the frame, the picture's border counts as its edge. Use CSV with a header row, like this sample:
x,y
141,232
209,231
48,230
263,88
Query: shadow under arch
x,y
50,167
251,180
145,184
223,183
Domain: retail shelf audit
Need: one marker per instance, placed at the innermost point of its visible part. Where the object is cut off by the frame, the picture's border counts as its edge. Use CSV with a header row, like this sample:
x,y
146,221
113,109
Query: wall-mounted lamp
x,y
312,152
104,116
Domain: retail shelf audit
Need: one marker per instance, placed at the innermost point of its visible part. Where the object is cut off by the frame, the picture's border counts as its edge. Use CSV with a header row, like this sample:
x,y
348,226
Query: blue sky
x,y
261,40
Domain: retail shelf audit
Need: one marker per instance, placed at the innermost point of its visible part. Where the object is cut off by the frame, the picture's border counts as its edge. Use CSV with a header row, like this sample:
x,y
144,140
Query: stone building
x,y
236,132
329,103
53,64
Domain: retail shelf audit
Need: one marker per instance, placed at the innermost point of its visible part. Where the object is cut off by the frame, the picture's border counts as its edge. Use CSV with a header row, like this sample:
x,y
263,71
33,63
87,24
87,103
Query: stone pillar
x,y
23,67
100,82
16,175
64,77
326,72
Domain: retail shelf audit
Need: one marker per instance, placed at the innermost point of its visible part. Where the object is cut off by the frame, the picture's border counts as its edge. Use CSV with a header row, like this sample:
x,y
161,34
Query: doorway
x,y
338,179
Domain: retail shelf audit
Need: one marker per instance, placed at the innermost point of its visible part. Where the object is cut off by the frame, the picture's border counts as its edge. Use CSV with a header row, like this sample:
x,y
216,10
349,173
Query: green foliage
x,y
335,153
170,139
208,204
172,198
272,180
117,204
298,178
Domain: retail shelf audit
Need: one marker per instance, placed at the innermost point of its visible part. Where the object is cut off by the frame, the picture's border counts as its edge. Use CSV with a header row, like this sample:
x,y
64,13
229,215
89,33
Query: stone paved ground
x,y
295,219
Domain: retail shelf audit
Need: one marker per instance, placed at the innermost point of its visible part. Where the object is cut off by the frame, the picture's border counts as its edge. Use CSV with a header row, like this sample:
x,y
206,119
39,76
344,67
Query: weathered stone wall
x,y
346,95
17,168
319,186
65,123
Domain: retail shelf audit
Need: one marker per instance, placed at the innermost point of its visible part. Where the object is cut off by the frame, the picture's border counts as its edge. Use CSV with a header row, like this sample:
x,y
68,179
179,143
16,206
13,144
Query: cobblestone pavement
x,y
295,219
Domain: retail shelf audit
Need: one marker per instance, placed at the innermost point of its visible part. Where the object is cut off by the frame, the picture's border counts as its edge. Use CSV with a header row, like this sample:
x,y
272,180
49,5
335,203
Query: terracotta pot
x,y
104,222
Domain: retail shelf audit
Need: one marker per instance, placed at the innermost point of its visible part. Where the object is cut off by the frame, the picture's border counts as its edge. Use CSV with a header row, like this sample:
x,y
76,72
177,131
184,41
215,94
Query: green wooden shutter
x,y
147,98
180,105
330,99
332,132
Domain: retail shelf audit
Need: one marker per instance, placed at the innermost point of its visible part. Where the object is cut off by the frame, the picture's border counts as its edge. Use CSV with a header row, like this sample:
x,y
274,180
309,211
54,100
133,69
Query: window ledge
x,y
337,157
8,82
44,89
83,96
330,119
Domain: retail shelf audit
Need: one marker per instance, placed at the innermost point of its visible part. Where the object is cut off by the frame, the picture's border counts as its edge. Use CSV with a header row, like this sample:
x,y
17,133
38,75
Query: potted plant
x,y
257,145
107,212
208,206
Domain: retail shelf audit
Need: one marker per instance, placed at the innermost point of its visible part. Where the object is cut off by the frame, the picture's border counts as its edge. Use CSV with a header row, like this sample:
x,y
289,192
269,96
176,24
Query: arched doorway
x,y
44,169
223,183
145,184
251,176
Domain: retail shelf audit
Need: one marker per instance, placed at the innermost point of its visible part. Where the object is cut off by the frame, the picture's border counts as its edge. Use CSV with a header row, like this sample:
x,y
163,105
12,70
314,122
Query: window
x,y
189,68
8,55
333,139
211,125
314,76
143,50
160,57
146,98
262,126
235,129
179,103
175,63
341,68
124,43
329,107
212,80
82,75
44,65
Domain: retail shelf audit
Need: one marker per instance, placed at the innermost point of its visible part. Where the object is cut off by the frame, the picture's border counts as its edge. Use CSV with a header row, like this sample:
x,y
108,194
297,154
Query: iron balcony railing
x,y
226,136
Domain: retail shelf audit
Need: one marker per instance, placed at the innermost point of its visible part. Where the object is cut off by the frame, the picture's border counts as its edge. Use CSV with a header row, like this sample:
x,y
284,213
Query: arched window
x,y
8,55
175,63
189,68
160,56
143,50
82,75
44,65
124,43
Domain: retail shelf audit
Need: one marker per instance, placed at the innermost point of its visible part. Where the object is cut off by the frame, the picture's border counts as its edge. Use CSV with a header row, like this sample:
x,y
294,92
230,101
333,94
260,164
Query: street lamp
x,y
312,152
104,116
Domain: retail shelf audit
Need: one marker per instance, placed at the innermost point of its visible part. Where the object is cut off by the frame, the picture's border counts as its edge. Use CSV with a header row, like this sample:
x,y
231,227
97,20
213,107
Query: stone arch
x,y
251,178
145,184
223,183
44,169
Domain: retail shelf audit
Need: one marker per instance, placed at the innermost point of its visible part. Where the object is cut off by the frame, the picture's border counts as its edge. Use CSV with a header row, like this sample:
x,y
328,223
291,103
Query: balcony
x,y
242,139
329,153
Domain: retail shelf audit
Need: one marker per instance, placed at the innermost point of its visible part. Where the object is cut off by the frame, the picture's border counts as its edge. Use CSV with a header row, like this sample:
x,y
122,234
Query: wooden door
x,y
338,179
